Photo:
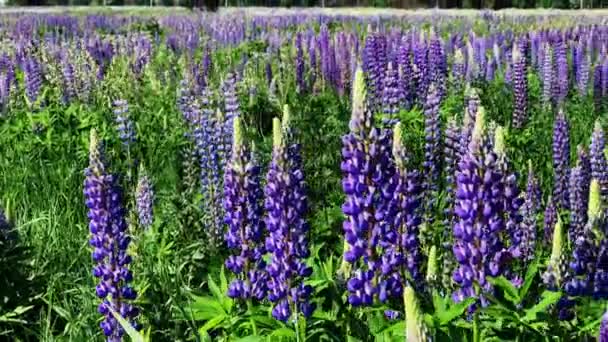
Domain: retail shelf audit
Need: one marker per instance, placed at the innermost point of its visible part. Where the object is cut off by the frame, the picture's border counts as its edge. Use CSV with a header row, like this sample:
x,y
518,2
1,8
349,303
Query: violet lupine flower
x,y
585,252
603,335
110,241
550,218
458,69
520,88
403,253
367,168
547,75
529,212
392,96
437,64
421,68
599,166
144,200
561,159
301,86
33,79
480,222
102,53
141,57
231,111
512,202
582,71
405,72
561,64
579,190
243,207
432,146
374,58
451,156
124,125
286,206
69,86
597,87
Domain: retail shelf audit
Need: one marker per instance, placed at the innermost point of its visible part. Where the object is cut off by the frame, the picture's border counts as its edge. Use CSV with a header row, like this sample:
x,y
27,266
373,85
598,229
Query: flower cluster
x,y
286,204
124,125
110,241
561,159
520,87
243,207
599,166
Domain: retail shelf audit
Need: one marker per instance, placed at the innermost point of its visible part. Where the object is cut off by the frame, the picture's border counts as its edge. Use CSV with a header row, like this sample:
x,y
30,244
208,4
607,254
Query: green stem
x,y
253,325
476,334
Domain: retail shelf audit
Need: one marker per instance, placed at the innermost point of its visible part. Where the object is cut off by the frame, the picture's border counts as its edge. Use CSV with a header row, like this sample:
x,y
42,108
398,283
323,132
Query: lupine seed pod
x,y
110,242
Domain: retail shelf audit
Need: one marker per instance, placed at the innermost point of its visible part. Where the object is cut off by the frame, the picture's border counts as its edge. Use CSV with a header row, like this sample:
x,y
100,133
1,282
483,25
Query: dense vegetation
x,y
303,176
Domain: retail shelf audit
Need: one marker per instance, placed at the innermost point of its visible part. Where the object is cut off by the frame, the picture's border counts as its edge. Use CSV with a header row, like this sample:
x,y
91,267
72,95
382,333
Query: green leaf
x,y
133,334
250,339
211,324
455,311
219,295
205,308
530,275
283,332
509,289
548,298
223,281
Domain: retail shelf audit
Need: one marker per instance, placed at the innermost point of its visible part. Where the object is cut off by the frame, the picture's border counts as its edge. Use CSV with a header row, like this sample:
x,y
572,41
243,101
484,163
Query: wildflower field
x,y
303,175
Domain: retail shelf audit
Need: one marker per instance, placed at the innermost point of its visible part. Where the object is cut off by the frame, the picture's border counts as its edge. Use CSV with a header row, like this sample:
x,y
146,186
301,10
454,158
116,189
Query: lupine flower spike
x,y
144,196
110,241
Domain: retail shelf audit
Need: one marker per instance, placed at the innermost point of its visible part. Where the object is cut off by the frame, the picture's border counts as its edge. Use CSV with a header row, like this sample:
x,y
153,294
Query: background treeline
x,y
213,4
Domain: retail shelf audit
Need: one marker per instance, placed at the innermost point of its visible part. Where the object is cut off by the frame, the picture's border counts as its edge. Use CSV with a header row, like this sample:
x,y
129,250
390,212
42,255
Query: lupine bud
x,y
554,275
415,328
431,266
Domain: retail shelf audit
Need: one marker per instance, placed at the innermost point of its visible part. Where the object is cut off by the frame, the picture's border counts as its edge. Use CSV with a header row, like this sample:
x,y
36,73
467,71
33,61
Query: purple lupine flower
x,y
243,207
141,56
124,125
432,146
585,252
286,206
392,96
301,86
512,202
405,72
597,87
480,222
312,63
33,79
603,335
268,72
458,69
110,241
374,58
529,212
366,165
520,88
599,166
547,75
404,256
579,192
583,65
561,64
144,200
490,70
451,155
420,68
437,65
231,111
102,53
561,159
550,219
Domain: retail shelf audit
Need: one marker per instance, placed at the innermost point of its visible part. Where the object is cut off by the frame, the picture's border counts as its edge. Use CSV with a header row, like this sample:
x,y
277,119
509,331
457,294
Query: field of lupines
x,y
304,175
